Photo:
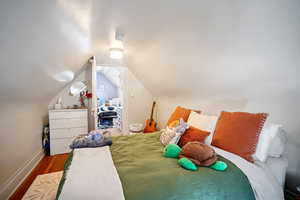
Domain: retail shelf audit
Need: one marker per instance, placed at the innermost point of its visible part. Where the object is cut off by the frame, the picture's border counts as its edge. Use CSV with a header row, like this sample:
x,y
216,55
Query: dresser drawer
x,y
68,114
59,146
67,123
67,132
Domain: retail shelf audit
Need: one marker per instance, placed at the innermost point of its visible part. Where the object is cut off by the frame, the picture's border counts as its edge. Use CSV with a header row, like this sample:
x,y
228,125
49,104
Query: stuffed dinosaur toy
x,y
195,154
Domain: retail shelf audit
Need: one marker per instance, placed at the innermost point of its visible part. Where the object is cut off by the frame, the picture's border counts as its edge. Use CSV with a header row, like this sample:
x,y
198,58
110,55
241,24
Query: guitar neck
x,y
152,110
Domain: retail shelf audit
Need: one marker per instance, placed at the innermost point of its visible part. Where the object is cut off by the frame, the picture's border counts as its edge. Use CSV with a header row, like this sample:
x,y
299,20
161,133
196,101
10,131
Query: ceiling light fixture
x,y
116,53
117,48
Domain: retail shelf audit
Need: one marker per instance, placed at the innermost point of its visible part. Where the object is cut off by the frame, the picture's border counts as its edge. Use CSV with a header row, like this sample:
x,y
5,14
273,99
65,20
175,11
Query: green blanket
x,y
147,175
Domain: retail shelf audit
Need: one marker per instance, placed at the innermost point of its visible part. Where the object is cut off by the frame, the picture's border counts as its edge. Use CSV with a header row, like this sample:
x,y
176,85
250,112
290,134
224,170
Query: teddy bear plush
x,y
194,155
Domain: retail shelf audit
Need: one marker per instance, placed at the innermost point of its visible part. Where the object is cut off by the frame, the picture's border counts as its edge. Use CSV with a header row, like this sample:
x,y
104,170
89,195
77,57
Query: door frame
x,y
94,111
123,88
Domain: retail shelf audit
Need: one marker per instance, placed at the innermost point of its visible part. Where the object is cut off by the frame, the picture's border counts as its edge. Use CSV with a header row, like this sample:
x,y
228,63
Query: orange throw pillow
x,y
193,134
180,112
238,132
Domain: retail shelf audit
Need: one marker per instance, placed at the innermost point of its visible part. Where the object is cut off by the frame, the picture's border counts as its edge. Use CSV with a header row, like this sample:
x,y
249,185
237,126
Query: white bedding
x,y
263,183
92,172
275,167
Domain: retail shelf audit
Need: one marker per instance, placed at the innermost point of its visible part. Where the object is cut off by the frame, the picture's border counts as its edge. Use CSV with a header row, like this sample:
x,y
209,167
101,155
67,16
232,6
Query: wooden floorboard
x,y
47,165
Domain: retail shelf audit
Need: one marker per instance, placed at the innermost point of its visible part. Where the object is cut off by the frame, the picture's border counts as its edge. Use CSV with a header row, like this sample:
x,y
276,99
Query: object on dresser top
x,y
66,124
92,139
77,87
58,104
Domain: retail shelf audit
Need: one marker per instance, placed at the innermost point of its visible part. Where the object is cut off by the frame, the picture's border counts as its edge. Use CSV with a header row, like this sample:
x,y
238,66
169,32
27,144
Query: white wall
x,y
139,100
106,89
20,140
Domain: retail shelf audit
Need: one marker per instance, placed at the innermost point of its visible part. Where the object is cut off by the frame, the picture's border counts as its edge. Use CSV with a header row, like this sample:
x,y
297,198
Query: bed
x,y
133,168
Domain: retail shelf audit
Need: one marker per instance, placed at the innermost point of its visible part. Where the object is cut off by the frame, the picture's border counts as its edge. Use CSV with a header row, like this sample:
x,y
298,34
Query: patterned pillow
x,y
171,135
167,135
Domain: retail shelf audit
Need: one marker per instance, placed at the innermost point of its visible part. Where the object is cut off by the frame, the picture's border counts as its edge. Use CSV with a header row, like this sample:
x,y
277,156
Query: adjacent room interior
x,y
109,98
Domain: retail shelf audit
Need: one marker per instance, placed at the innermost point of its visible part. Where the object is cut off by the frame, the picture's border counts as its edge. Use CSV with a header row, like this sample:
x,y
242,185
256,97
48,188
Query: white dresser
x,y
64,126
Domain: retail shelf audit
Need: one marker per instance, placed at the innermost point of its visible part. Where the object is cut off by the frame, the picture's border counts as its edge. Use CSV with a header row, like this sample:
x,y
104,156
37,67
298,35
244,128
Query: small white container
x,y
57,106
136,128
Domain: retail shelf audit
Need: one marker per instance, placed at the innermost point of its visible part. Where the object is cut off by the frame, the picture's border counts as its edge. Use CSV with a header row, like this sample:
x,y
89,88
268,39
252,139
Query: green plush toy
x,y
187,164
219,166
194,154
172,151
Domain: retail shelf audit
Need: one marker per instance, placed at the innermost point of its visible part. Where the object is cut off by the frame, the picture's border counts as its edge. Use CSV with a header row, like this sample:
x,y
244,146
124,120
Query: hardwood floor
x,y
47,165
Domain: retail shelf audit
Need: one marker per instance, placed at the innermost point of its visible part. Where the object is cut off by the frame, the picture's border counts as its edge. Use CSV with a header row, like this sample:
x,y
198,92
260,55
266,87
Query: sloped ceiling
x,y
212,47
194,48
38,40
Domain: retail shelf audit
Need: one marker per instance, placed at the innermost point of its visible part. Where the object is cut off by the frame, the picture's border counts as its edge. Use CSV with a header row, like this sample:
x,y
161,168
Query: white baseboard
x,y
13,182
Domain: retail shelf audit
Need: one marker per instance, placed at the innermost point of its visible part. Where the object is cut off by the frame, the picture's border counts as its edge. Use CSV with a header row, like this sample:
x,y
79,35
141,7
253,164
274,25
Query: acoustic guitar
x,y
150,123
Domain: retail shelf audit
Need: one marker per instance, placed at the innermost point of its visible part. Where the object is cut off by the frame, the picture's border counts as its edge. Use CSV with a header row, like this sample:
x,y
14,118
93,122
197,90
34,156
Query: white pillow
x,y
203,122
268,133
278,144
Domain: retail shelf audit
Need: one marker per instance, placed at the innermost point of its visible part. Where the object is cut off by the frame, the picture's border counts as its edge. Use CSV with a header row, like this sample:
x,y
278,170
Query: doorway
x,y
110,98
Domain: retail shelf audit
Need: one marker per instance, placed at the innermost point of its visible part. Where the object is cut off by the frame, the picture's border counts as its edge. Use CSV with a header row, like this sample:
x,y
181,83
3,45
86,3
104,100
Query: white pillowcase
x,y
278,144
203,122
266,137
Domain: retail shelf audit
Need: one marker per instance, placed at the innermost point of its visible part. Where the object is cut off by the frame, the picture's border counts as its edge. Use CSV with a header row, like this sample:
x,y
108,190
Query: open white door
x,y
93,106
124,97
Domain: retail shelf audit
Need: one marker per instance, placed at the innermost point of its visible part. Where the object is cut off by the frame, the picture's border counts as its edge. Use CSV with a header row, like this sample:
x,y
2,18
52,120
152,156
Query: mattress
x,y
263,181
275,168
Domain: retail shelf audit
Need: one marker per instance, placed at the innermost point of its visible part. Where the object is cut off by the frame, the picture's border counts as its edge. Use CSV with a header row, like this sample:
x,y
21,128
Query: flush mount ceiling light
x,y
117,48
116,53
